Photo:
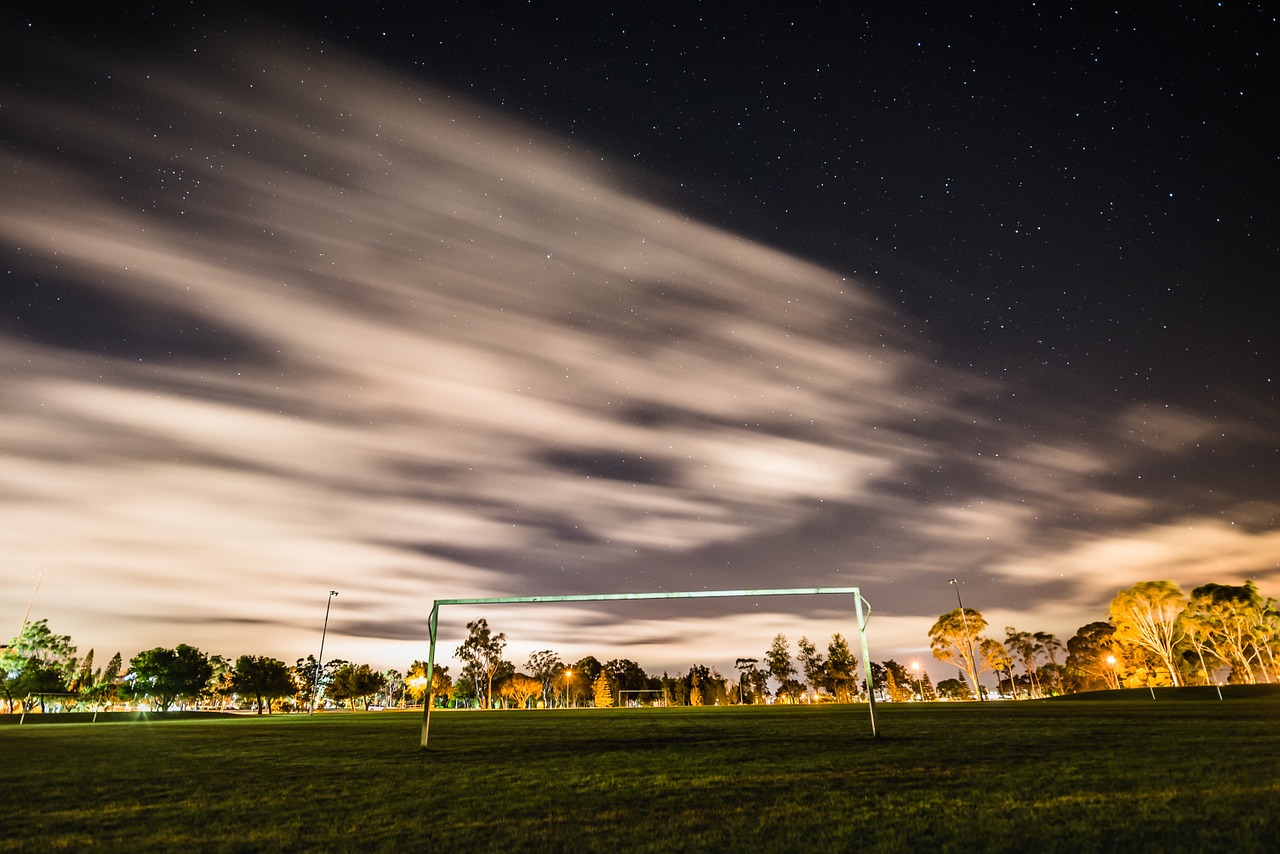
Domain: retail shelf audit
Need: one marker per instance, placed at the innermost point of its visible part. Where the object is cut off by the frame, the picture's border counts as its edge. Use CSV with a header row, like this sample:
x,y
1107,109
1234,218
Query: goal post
x,y
859,603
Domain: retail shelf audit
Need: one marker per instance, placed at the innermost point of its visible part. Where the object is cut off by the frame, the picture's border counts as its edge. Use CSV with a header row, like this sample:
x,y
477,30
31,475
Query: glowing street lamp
x,y
1115,677
915,668
568,677
315,688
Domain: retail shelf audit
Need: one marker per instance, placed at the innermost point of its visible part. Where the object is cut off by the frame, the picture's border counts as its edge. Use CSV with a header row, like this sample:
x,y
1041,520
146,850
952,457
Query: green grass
x,y
1131,774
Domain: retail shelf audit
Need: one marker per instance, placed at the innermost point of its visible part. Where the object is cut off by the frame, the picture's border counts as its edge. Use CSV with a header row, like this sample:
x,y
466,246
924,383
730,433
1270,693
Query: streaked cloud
x,y
287,324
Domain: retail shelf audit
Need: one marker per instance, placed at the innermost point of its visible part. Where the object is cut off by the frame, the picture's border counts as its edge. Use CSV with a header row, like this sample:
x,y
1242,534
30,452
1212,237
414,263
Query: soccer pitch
x,y
1079,775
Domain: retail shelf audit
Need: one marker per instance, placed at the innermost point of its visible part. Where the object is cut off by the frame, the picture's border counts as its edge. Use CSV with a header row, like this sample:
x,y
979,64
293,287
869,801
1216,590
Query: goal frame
x,y
859,603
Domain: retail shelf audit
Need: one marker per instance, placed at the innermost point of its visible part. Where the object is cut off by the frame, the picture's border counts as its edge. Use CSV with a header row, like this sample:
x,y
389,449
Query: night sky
x,y
545,300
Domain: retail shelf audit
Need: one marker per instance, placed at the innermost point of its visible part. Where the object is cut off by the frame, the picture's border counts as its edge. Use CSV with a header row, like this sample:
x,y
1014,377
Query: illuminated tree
x,y
262,678
520,688
602,692
415,682
1224,618
482,651
1147,615
953,640
994,656
304,676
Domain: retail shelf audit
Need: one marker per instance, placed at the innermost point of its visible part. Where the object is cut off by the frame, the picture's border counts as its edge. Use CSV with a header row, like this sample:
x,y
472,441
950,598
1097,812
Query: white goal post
x,y
858,601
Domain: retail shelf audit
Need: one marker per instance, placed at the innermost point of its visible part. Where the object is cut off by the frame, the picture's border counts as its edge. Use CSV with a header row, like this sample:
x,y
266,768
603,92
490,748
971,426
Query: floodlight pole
x,y
617,597
315,687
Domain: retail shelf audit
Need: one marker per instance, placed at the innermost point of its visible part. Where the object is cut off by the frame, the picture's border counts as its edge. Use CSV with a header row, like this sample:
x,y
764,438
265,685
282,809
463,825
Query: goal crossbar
x,y
859,603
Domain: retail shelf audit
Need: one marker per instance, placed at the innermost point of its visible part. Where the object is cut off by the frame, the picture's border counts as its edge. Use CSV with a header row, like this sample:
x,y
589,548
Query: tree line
x,y
39,667
1154,635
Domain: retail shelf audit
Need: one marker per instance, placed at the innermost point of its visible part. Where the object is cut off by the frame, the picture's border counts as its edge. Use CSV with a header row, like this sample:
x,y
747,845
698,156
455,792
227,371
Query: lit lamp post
x,y
973,658
1115,677
568,677
915,668
315,688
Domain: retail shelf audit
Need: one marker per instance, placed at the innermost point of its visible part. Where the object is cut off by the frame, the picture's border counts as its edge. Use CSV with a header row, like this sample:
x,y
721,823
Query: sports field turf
x,y
1127,774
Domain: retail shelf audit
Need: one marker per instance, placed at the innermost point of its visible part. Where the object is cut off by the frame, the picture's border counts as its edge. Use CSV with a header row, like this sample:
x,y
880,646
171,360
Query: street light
x,y
568,677
315,687
915,668
973,658
1115,677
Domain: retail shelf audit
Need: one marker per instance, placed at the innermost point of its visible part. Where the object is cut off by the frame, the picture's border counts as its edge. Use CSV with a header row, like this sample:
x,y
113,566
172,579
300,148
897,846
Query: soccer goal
x,y
858,601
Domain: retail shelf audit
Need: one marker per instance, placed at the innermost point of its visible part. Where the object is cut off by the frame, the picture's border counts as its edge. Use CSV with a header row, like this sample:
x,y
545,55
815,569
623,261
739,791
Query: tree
x,y
416,681
790,691
841,670
520,688
354,683
219,683
927,692
899,685
777,661
1224,618
625,675
1049,644
1022,647
1087,652
1147,616
997,658
813,664
545,665
105,689
304,676
744,666
601,692
954,689
262,678
482,651
952,640
168,676
36,662
393,690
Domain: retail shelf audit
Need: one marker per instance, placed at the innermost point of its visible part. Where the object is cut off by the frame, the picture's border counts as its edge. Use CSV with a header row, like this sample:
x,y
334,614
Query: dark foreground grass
x,y
1135,775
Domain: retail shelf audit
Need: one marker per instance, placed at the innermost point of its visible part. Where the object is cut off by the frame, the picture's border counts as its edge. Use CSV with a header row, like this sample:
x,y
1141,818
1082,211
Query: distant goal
x,y
862,609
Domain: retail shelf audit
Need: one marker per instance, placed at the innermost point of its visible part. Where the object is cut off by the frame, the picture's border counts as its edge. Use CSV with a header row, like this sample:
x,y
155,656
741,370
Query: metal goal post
x,y
858,601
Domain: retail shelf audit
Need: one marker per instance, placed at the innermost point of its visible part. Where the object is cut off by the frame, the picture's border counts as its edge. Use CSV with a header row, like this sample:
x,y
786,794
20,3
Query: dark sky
x,y
537,300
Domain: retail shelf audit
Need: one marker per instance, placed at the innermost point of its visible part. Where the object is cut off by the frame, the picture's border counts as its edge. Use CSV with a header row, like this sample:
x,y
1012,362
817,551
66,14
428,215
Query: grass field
x,y
1127,774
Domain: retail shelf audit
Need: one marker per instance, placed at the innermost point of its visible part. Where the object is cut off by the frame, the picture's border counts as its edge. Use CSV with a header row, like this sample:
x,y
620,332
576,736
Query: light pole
x,y
1115,677
315,687
973,658
568,678
915,668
